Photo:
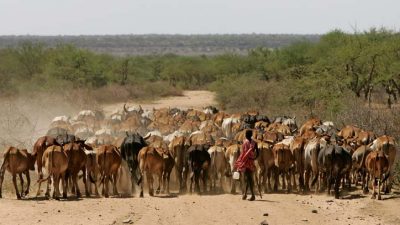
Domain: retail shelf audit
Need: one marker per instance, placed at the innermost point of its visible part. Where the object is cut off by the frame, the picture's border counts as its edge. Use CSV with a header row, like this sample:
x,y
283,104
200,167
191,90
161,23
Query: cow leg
x,y
160,181
14,179
47,194
289,184
150,183
373,188
283,181
191,181
276,179
379,190
75,184
115,190
292,174
106,181
366,183
142,184
22,184
307,181
28,182
56,192
204,178
168,177
329,180
85,182
337,184
269,174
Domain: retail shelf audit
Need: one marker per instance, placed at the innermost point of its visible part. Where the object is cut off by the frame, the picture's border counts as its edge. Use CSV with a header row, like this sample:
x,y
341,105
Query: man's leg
x,y
249,175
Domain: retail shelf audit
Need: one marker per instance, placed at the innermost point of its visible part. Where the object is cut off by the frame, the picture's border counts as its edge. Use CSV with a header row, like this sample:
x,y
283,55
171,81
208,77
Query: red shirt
x,y
246,158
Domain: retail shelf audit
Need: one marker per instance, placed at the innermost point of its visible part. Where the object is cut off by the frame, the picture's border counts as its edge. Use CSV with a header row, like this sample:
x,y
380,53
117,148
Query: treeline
x,y
164,44
316,77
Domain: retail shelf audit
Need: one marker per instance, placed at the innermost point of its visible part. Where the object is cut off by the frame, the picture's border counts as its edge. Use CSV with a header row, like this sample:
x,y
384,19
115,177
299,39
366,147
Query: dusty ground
x,y
195,209
205,209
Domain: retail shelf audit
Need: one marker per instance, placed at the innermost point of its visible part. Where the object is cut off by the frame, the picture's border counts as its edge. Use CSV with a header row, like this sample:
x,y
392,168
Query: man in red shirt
x,y
245,163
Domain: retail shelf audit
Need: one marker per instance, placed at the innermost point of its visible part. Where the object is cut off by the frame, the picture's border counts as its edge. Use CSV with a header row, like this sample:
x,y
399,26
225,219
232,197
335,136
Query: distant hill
x,y
165,44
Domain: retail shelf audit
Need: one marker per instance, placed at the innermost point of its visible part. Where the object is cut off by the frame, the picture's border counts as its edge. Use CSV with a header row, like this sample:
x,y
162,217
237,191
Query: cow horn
x,y
125,110
147,136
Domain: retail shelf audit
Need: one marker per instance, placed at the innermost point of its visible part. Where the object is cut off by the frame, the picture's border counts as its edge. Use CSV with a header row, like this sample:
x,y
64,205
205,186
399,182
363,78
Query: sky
x,y
85,17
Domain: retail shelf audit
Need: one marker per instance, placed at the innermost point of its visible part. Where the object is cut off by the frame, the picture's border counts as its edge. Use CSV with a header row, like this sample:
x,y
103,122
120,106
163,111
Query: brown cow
x,y
17,162
232,154
387,144
284,160
158,161
348,132
77,162
109,161
266,164
297,148
39,147
178,149
219,166
55,161
92,171
310,125
377,164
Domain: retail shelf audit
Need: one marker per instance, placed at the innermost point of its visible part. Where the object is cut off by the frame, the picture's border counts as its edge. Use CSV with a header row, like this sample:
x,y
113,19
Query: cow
x,y
218,167
17,162
77,162
227,126
92,171
349,132
178,148
311,151
297,148
335,162
199,161
130,148
358,164
267,165
310,125
157,161
387,144
39,147
109,161
377,164
232,154
283,160
201,138
55,161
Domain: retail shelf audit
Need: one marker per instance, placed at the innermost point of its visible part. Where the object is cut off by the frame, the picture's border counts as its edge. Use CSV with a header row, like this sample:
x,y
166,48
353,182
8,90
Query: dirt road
x,y
206,209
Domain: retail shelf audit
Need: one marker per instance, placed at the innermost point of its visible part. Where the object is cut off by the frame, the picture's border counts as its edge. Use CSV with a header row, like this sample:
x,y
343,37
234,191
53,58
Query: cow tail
x,y
141,168
50,167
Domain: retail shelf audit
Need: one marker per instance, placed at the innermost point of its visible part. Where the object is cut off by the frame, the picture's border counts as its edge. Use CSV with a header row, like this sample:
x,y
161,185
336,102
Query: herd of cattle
x,y
201,146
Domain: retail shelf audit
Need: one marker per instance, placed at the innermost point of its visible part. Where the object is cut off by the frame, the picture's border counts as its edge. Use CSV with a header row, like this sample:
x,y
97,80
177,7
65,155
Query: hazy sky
x,y
73,17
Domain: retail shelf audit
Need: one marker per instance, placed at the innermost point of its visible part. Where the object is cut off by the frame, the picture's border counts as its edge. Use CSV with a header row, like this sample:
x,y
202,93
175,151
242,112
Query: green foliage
x,y
313,76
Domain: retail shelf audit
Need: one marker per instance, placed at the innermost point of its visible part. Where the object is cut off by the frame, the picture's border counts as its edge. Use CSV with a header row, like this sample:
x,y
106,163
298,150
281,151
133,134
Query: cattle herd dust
x,y
189,150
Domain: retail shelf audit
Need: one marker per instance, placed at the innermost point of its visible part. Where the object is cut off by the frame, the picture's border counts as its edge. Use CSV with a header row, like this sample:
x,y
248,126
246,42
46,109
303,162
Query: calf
x,y
77,162
219,166
199,162
109,161
232,154
55,161
267,165
387,144
92,171
155,160
377,164
283,159
17,162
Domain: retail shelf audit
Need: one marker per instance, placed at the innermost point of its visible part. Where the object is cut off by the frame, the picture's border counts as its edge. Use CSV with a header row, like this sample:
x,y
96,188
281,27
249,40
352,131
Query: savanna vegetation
x,y
326,78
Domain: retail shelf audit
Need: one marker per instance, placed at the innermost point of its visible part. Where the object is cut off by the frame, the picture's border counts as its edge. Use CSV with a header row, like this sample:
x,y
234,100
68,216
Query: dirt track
x,y
206,209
